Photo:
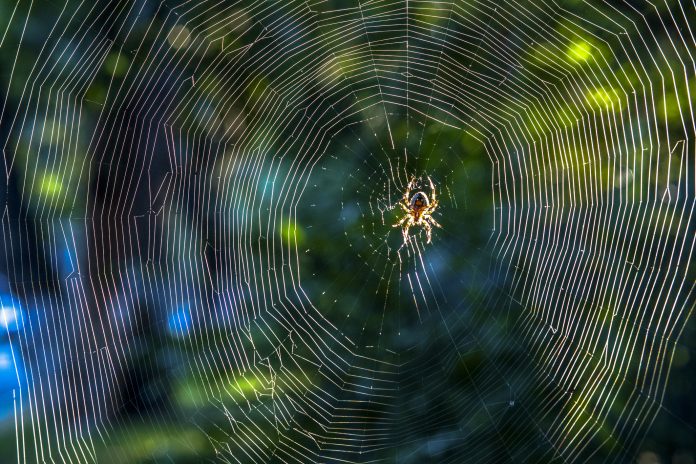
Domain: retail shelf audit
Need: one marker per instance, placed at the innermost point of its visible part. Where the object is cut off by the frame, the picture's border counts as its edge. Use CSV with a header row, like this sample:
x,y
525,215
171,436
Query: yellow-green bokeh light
x,y
116,65
604,98
290,232
50,185
579,51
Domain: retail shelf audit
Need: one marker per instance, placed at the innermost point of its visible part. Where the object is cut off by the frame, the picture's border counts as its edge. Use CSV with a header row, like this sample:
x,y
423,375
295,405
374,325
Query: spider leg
x,y
430,208
407,193
405,208
404,231
432,189
434,222
428,230
403,219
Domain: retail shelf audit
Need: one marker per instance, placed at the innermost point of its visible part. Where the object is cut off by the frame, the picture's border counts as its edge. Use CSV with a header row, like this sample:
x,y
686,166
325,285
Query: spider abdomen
x,y
419,201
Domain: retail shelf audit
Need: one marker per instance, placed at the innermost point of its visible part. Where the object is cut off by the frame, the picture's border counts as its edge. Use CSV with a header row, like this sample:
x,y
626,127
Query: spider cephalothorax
x,y
419,209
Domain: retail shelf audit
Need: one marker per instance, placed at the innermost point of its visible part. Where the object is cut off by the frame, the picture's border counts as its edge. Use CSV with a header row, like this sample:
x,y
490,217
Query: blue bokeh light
x,y
179,322
11,371
11,314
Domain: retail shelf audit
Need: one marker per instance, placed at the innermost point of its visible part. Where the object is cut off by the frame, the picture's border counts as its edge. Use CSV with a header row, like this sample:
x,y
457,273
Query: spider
x,y
419,210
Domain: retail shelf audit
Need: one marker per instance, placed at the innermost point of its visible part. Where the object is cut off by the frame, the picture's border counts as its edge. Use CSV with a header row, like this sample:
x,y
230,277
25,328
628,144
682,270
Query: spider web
x,y
199,254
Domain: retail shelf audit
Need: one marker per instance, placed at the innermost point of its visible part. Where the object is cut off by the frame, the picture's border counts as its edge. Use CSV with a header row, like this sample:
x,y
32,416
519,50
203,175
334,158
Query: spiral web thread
x,y
187,201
